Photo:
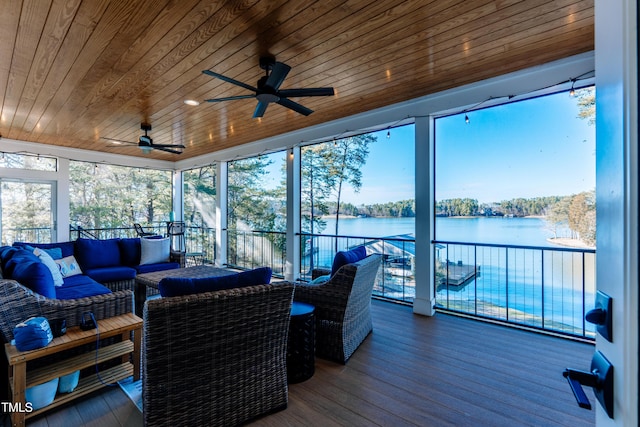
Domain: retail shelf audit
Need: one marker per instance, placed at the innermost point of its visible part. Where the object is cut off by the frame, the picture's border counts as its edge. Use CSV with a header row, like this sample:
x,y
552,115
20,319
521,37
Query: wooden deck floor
x,y
412,370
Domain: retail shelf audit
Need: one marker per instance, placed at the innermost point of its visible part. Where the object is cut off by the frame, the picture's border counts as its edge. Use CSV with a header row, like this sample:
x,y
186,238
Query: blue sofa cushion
x,y
13,258
176,286
161,266
111,274
93,253
6,253
129,251
65,247
80,286
348,257
32,273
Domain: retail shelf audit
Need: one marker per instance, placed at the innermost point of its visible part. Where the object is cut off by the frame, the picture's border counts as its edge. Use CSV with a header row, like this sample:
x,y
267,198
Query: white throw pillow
x,y
68,266
153,251
46,259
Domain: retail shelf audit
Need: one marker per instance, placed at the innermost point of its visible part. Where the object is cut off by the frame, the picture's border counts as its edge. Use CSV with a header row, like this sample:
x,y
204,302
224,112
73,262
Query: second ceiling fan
x,y
268,89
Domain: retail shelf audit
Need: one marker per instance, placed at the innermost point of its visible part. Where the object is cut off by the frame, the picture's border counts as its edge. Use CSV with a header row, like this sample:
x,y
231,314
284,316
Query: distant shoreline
x,y
568,242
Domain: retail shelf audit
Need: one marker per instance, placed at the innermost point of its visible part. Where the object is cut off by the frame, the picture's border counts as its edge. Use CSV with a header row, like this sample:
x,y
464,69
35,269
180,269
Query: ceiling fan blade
x,y
230,98
313,91
260,109
278,74
295,106
119,141
168,150
168,146
229,80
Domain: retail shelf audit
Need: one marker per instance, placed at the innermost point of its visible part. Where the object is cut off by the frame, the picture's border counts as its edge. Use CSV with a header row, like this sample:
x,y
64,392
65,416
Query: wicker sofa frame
x,y
17,303
343,307
216,358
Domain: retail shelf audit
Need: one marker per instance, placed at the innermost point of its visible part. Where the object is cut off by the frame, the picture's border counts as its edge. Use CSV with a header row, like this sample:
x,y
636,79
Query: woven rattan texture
x,y
216,358
343,308
18,303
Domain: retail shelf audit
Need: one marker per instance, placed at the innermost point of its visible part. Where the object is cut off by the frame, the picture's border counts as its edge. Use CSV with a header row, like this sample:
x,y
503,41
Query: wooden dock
x,y
458,274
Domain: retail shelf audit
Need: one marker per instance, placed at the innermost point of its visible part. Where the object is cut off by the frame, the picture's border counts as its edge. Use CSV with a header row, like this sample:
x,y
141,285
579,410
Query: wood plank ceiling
x,y
74,71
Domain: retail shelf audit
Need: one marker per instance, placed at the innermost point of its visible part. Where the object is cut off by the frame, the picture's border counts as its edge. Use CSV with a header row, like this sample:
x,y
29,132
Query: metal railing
x,y
32,234
397,281
538,287
198,240
256,248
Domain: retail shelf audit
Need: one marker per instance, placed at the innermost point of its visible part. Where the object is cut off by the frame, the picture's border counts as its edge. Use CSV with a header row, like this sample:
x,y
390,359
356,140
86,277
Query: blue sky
x,y
531,148
524,149
389,174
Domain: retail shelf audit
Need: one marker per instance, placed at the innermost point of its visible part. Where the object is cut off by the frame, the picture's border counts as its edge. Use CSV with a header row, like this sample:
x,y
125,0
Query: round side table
x,y
301,347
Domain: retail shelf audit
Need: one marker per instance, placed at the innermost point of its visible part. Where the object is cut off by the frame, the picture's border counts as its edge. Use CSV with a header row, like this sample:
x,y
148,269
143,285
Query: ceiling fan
x,y
146,143
268,90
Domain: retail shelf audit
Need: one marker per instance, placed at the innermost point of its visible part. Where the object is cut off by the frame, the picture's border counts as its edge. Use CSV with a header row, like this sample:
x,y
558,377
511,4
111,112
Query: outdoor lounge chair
x,y
342,307
141,231
216,358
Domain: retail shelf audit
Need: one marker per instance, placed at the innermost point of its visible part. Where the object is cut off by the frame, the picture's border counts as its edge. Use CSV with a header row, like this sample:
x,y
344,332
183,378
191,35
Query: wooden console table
x,y
20,379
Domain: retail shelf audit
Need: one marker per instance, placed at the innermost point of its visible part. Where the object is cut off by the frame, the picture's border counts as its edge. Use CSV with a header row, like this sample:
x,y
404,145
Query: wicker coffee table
x,y
147,283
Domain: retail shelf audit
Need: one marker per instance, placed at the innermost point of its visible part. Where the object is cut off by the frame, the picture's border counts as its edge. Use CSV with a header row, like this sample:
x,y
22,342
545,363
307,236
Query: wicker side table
x,y
302,343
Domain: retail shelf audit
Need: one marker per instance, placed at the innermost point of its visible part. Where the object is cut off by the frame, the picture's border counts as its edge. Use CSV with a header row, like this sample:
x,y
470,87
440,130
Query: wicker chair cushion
x,y
95,253
27,269
80,286
176,286
55,253
130,251
161,266
48,261
66,248
154,251
111,274
348,257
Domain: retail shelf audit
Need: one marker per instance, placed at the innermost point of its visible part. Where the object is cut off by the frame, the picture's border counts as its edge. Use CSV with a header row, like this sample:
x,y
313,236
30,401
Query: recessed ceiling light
x,y
191,102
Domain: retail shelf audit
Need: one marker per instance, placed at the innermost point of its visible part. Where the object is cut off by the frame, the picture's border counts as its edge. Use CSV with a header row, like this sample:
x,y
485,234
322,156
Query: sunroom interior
x,y
79,75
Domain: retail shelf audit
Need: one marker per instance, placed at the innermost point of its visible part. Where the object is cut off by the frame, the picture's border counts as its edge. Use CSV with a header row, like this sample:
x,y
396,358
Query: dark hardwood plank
x,y
412,371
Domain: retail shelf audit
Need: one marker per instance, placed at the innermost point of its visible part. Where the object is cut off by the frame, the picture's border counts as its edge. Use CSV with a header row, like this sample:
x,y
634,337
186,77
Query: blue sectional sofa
x,y
88,266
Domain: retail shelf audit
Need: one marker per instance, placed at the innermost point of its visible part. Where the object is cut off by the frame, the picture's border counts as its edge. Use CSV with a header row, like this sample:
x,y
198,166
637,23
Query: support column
x,y
62,200
177,205
292,263
222,181
424,300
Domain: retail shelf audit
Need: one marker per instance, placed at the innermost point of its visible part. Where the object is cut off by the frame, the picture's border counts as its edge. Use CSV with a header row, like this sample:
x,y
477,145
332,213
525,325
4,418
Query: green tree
x,y
108,196
200,196
249,203
587,104
581,216
345,161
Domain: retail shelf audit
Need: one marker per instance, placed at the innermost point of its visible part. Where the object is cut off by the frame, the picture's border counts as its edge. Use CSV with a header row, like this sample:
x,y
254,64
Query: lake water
x,y
508,231
504,279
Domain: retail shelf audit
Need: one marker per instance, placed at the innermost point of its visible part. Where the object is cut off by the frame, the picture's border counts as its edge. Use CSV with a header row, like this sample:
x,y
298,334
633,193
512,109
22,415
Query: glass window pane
x,y
256,214
26,161
111,197
26,210
200,196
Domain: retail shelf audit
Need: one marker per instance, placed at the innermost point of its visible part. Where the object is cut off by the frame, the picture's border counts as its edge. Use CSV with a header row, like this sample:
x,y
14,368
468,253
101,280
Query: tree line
x,y
576,212
518,207
399,209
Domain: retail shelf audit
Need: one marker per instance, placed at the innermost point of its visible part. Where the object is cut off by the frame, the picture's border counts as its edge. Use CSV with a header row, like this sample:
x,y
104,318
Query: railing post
x,y
506,277
543,287
475,279
584,308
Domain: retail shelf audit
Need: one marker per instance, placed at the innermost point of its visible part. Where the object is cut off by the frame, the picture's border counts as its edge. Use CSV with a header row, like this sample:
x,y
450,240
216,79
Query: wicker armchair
x,y
343,307
216,358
